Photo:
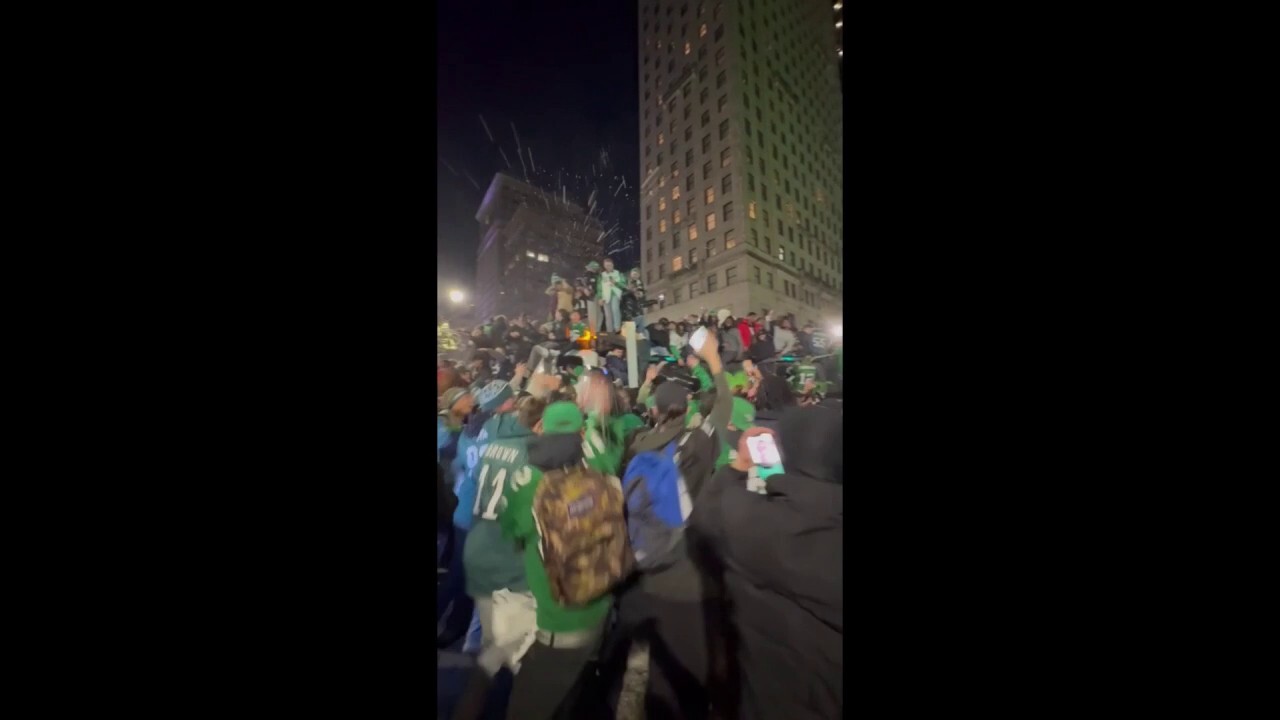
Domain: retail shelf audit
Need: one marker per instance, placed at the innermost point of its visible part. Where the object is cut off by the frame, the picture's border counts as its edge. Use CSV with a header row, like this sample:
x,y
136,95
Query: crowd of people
x,y
695,520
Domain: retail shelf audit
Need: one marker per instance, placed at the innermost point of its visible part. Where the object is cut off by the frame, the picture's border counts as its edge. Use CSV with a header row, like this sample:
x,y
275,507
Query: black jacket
x,y
781,560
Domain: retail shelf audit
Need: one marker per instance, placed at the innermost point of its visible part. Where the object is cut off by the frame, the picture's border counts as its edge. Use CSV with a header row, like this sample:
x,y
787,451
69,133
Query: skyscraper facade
x,y
741,147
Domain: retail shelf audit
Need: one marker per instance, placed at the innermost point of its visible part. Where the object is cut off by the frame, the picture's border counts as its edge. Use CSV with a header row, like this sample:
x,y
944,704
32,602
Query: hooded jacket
x,y
785,583
731,345
746,331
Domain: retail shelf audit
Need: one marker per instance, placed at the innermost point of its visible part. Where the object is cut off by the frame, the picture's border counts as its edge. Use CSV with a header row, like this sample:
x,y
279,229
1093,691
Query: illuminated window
x,y
702,32
677,264
688,48
661,138
751,211
675,220
662,204
543,258
782,253
730,242
711,195
662,225
529,253
675,192
693,232
711,222
662,181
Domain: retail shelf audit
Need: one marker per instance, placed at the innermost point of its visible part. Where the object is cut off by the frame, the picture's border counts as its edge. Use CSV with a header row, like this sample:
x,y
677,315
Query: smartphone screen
x,y
764,451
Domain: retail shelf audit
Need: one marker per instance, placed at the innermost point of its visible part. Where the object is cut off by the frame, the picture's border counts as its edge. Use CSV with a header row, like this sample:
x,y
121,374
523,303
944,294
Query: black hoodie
x,y
782,563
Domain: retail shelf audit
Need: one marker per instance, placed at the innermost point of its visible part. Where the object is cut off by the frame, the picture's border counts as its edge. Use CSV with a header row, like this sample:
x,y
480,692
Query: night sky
x,y
565,74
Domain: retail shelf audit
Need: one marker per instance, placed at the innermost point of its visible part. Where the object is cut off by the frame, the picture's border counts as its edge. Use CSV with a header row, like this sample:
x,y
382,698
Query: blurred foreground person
x,y
781,556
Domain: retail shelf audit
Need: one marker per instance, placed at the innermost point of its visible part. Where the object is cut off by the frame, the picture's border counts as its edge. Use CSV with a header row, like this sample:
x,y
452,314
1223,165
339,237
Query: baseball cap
x,y
670,395
491,396
561,418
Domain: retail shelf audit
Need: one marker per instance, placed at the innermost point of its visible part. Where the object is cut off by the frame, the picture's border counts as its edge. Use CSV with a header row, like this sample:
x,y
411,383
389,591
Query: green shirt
x,y
576,331
490,560
519,525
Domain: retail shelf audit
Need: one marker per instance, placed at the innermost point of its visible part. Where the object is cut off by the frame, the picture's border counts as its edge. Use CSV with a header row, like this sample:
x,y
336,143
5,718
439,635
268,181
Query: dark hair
x,y
774,394
564,315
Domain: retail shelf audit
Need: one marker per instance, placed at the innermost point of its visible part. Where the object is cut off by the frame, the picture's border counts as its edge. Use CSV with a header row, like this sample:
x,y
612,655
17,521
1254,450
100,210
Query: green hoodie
x,y
519,524
491,562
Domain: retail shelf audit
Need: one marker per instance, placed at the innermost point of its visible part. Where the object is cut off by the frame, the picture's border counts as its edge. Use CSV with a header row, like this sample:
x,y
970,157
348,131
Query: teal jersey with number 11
x,y
492,562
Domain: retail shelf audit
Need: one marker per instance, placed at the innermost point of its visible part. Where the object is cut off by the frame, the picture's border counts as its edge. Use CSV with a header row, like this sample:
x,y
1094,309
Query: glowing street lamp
x,y
456,297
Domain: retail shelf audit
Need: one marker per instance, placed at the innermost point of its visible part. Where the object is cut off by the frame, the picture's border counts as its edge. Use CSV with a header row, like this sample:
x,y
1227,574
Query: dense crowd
x,y
699,515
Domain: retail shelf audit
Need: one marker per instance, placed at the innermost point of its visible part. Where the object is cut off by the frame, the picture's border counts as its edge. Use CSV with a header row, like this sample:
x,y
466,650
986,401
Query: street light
x,y
456,297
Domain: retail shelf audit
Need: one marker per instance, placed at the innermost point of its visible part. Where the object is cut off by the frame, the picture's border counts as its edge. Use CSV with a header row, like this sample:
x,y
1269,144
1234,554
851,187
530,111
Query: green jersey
x,y
491,561
519,524
801,374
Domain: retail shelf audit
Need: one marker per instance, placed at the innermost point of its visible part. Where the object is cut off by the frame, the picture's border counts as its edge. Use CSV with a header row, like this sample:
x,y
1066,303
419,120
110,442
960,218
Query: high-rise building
x,y
527,235
741,157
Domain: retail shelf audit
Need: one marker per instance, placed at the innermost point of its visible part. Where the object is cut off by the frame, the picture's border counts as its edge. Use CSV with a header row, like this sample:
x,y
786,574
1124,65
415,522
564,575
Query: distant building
x,y
526,235
741,156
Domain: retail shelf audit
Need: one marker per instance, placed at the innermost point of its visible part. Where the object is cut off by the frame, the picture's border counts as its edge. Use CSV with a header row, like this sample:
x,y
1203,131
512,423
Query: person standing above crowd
x,y
562,293
610,296
634,299
591,283
785,587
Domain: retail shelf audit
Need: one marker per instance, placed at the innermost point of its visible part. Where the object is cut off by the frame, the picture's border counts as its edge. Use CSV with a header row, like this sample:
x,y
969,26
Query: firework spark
x,y
485,125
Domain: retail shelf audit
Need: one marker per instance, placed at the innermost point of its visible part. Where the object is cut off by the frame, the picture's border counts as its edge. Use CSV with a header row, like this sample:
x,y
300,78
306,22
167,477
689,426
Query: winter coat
x,y
746,331
784,340
563,294
731,350
784,586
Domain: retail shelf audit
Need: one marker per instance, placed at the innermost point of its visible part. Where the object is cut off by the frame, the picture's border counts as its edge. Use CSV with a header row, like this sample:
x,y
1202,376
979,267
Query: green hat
x,y
593,266
561,418
743,414
737,380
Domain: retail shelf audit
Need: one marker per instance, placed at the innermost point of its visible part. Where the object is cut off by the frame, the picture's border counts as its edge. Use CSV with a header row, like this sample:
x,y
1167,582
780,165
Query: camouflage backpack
x,y
584,534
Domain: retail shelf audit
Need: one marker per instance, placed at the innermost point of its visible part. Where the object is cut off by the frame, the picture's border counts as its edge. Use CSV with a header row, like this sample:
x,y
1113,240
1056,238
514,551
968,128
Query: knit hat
x,y
743,414
561,418
492,396
670,395
722,314
451,398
